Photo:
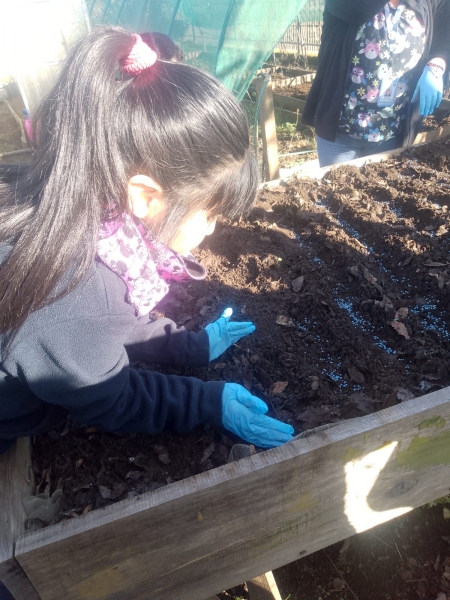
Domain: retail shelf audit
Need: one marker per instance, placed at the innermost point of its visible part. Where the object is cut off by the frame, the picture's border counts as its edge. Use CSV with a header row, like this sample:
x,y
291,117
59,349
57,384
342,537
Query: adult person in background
x,y
381,68
163,45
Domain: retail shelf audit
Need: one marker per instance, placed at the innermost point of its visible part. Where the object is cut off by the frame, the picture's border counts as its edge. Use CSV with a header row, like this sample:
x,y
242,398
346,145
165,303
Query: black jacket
x,y
72,357
341,21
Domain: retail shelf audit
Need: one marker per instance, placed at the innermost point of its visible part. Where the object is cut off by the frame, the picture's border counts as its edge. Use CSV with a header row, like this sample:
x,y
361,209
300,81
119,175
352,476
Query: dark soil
x,y
299,91
440,118
348,282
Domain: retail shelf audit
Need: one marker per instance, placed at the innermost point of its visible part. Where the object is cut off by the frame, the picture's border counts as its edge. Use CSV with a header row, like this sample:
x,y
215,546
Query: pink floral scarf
x,y
142,262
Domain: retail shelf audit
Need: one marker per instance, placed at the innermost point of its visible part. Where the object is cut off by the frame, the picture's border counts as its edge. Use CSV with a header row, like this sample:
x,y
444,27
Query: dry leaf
x,y
401,329
104,491
386,303
404,395
207,453
315,385
356,375
363,402
278,387
297,284
371,279
285,321
79,463
248,380
86,509
339,584
435,264
402,313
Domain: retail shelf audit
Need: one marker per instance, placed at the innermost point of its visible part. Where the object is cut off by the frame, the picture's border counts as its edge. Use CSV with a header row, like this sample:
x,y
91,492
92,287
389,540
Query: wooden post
x,y
15,482
268,130
225,526
263,587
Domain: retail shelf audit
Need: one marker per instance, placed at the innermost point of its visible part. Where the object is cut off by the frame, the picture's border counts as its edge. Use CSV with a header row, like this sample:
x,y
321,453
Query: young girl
x,y
134,159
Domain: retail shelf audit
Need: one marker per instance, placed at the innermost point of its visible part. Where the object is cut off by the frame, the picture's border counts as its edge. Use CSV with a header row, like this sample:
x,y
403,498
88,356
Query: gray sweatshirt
x,y
72,357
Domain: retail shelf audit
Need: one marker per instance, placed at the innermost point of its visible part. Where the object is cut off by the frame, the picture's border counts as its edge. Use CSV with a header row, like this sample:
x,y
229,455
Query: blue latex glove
x,y
223,334
430,89
244,415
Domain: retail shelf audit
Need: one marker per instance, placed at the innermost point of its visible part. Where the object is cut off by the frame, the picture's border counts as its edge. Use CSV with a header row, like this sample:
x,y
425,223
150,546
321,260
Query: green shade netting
x,y
229,38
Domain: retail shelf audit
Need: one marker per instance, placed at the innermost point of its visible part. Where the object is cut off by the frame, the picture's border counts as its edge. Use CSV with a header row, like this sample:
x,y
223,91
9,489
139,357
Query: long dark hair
x,y
94,131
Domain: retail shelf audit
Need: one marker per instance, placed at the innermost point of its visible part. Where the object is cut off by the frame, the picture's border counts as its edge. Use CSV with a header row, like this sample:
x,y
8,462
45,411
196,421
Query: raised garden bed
x,y
347,280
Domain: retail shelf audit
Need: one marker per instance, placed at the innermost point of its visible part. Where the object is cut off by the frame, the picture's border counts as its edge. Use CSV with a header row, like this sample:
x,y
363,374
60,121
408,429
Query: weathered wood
x,y
429,136
263,587
268,130
13,577
198,536
15,482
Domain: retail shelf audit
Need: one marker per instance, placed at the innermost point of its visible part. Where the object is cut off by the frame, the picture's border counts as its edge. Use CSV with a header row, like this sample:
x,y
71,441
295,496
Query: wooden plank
x,y
16,481
13,577
263,587
200,535
268,130
428,136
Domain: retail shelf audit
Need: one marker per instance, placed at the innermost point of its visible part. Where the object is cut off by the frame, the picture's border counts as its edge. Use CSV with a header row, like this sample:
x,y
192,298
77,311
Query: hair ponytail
x,y
92,133
56,214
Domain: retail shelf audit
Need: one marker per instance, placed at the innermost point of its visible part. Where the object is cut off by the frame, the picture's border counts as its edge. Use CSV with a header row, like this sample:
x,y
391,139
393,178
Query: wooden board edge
x,y
233,471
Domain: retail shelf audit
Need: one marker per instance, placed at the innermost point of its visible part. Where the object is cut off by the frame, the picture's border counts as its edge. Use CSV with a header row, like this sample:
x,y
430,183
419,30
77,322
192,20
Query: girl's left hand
x,y
223,334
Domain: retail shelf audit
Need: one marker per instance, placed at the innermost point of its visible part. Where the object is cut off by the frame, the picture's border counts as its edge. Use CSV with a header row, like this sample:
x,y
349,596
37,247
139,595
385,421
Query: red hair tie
x,y
141,57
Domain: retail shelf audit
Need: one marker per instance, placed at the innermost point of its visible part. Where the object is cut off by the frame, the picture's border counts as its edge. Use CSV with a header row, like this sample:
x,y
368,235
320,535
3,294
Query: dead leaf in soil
x,y
263,377
278,387
353,271
402,313
87,509
441,596
386,303
285,321
339,584
401,329
79,463
404,394
372,280
297,284
207,453
434,264
163,454
356,375
244,361
248,379
315,414
362,402
104,492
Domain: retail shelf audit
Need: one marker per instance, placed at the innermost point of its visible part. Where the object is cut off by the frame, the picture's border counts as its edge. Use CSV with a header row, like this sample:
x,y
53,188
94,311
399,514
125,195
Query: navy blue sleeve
x,y
82,366
164,343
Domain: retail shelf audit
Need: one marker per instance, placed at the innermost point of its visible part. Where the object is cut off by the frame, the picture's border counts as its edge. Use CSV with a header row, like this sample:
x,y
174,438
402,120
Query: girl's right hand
x,y
244,415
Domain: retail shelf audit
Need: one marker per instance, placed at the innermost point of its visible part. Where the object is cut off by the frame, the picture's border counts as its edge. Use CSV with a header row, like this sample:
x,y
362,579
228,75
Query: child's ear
x,y
145,197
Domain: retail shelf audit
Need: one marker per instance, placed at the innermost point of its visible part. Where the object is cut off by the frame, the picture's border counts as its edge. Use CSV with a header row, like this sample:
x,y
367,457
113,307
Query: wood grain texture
x,y
268,131
15,482
13,577
263,587
196,537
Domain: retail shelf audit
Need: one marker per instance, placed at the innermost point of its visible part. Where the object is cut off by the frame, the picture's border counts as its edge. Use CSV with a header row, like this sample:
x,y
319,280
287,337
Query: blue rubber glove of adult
x,y
429,88
245,415
223,334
